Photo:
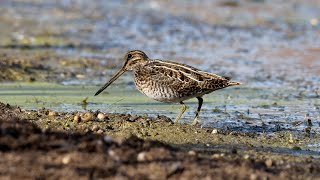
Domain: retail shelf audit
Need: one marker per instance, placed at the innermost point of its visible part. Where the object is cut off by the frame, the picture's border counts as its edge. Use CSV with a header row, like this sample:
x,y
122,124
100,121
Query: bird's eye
x,y
129,56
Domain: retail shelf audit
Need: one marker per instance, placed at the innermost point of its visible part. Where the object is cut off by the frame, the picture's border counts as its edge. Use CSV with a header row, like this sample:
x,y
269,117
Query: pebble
x,y
95,128
113,155
87,117
107,139
268,163
246,156
76,119
253,176
52,113
101,116
66,159
133,118
100,131
214,131
215,156
80,76
280,162
192,153
175,168
141,156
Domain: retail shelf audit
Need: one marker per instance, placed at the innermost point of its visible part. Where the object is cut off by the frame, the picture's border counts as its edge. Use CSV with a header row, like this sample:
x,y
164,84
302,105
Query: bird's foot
x,y
195,122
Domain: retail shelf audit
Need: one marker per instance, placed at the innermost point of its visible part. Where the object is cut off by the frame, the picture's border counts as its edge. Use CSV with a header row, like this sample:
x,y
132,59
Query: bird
x,y
170,82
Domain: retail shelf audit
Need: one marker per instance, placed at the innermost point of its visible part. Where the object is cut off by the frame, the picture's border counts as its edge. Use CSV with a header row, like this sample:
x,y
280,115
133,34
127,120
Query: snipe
x,y
168,81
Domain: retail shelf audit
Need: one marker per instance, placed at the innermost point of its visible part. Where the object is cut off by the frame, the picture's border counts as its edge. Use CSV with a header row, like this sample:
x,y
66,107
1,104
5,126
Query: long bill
x,y
114,77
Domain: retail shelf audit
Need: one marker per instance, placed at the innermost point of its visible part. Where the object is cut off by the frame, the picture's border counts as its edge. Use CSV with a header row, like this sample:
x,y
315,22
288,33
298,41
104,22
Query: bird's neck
x,y
139,65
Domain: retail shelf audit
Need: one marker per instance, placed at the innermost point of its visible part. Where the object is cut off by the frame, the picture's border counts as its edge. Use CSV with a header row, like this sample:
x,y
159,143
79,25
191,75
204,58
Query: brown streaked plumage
x,y
168,81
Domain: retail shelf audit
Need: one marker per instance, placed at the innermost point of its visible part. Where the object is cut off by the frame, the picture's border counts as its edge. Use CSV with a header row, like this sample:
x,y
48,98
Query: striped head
x,y
132,59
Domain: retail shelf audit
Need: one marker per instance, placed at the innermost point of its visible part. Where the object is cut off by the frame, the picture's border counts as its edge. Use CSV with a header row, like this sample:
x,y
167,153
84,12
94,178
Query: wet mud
x,y
32,147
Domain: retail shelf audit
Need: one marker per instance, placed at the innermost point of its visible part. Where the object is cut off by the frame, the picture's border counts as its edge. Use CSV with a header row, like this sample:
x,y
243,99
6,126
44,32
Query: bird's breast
x,y
155,90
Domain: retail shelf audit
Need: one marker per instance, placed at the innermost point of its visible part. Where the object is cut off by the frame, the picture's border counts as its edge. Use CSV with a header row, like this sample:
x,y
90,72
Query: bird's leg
x,y
183,109
200,101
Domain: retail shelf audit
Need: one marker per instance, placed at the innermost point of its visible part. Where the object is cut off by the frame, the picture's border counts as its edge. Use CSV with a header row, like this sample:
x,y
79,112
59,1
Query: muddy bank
x,y
32,147
48,66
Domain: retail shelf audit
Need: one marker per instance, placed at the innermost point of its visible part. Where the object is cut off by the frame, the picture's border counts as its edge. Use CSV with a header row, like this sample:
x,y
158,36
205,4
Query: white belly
x,y
163,95
159,92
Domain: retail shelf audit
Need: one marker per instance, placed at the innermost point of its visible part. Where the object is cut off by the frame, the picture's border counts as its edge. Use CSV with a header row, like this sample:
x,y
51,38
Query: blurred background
x,y
255,41
271,46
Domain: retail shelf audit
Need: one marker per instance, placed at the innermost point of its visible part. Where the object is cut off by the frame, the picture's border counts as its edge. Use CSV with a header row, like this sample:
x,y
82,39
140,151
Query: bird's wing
x,y
184,78
188,71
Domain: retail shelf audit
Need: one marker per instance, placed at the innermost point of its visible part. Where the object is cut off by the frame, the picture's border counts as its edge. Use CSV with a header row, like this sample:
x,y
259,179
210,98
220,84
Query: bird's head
x,y
132,59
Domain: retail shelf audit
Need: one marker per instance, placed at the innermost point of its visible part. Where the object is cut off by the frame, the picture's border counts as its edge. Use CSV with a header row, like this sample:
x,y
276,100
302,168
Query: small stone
x,y
100,131
253,176
87,117
141,156
133,118
214,131
80,76
113,155
192,153
101,116
95,128
52,113
107,139
269,163
246,156
175,168
66,159
215,156
18,110
76,119
280,162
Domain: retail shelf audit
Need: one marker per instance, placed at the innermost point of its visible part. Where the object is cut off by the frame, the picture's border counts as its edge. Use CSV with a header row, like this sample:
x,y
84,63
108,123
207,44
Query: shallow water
x,y
243,109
